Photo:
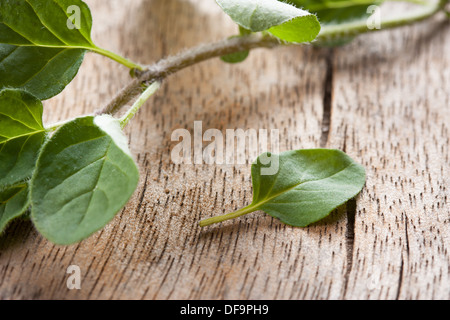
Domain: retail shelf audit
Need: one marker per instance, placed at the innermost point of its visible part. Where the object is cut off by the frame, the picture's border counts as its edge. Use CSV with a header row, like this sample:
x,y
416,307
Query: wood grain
x,y
383,99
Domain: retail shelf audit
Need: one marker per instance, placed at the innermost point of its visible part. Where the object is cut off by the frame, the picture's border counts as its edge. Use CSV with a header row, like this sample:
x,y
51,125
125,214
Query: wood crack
x,y
327,99
350,241
400,277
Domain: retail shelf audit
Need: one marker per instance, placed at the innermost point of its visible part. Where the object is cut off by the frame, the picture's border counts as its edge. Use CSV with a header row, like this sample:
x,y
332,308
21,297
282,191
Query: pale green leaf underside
x,y
280,19
308,185
21,135
13,204
38,52
336,11
84,176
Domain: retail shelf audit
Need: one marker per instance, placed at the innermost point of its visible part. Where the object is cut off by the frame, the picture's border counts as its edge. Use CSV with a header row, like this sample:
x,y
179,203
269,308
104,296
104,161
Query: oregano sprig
x,y
75,175
330,34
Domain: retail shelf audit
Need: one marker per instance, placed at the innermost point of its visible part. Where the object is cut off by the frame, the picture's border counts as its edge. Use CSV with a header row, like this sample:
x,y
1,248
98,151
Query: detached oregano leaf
x,y
301,187
13,204
22,134
282,20
43,44
85,174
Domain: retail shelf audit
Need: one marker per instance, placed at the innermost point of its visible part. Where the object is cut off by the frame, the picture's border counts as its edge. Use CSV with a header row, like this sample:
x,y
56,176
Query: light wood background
x,y
384,99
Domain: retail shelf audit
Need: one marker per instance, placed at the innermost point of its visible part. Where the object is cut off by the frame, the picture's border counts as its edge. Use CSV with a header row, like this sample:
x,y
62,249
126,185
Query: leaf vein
x,y
87,38
96,184
8,55
45,25
267,199
17,120
9,139
74,173
20,34
44,67
39,123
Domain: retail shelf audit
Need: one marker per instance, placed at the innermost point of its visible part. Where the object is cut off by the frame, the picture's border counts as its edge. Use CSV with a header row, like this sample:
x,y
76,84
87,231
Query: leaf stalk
x,y
229,216
150,91
114,56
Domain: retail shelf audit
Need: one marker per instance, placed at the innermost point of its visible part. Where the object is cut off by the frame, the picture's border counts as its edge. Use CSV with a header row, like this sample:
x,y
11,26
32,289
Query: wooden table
x,y
384,99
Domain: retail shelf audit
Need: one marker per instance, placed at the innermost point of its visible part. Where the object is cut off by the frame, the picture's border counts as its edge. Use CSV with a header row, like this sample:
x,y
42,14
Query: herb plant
x,y
72,177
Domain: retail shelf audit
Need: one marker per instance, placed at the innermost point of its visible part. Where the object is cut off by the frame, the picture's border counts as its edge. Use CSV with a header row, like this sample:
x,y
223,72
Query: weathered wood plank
x,y
391,110
391,243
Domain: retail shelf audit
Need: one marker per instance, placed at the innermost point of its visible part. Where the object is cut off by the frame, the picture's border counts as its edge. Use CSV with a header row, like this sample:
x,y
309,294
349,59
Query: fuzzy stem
x,y
168,66
126,62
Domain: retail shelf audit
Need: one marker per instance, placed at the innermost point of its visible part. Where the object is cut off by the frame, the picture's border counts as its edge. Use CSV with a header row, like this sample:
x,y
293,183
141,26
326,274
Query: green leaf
x,y
244,32
301,187
241,56
40,53
13,204
282,20
21,135
43,43
45,23
237,57
336,11
44,72
85,174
